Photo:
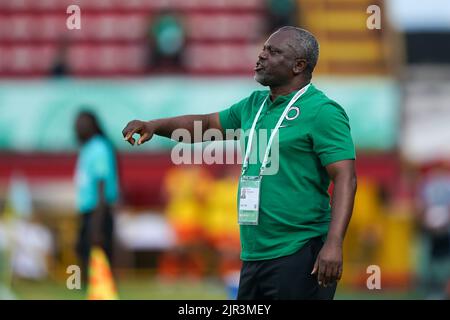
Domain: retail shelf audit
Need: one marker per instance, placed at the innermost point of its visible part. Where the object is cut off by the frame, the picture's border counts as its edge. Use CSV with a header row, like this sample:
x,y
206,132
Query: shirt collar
x,y
286,98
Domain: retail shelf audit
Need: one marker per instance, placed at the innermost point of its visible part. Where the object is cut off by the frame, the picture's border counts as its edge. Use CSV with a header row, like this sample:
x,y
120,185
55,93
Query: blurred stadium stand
x,y
113,37
346,45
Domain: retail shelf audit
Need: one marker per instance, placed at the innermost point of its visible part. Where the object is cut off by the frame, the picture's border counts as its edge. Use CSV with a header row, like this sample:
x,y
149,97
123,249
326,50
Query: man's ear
x,y
299,66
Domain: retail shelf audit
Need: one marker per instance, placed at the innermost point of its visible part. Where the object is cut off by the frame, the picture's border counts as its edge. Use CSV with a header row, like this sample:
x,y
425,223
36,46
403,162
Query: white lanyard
x,y
277,126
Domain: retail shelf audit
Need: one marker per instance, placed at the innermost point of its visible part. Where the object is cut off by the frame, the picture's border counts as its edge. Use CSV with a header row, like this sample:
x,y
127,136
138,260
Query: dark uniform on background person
x,y
291,238
96,182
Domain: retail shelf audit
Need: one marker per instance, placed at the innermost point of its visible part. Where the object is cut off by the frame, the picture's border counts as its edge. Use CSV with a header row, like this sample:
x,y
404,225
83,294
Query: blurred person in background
x,y
60,65
167,42
186,189
294,249
97,189
220,223
26,244
281,13
221,228
434,218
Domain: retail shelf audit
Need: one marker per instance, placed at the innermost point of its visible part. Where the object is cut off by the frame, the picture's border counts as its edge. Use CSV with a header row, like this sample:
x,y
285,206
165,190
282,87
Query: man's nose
x,y
262,55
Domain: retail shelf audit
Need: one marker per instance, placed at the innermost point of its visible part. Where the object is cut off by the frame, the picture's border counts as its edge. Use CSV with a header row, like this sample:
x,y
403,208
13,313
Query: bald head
x,y
304,44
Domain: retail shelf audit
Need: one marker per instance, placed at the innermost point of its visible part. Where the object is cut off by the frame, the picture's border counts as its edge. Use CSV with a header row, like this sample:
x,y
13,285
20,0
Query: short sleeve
x,y
332,140
231,118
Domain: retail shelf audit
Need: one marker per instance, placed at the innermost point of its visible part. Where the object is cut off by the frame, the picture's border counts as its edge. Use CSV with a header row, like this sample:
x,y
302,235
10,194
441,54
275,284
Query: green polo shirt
x,y
294,202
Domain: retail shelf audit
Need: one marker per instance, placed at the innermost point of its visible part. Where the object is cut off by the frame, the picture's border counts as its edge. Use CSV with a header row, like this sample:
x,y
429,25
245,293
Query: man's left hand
x,y
328,265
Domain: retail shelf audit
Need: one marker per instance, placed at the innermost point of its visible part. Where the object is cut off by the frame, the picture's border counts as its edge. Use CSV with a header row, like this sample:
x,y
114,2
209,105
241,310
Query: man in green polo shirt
x,y
291,237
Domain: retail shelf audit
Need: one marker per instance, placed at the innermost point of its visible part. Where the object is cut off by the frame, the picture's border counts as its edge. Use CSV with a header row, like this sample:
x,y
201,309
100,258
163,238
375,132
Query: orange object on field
x,y
101,283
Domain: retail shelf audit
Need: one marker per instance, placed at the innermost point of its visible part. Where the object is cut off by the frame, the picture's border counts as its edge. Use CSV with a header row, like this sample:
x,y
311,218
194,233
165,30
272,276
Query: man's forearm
x,y
165,127
342,206
195,125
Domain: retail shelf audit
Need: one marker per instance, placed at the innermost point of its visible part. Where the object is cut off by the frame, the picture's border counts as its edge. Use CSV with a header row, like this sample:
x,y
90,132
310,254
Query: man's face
x,y
276,61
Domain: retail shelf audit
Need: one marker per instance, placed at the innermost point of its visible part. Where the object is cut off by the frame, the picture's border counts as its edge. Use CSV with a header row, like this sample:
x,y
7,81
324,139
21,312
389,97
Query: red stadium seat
x,y
224,26
27,59
221,58
106,59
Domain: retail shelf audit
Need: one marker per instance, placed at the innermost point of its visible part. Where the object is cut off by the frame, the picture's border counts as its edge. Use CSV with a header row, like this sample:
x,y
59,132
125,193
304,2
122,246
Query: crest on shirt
x,y
293,113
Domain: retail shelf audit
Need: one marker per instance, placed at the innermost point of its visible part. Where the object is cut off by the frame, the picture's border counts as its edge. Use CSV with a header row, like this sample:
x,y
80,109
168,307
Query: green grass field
x,y
129,289
148,288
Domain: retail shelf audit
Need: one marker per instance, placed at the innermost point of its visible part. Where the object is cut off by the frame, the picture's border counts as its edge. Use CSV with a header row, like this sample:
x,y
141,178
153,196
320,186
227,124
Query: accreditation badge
x,y
249,188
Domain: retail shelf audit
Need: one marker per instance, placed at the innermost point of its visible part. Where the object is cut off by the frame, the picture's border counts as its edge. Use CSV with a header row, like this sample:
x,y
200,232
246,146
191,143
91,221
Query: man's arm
x,y
165,127
329,261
